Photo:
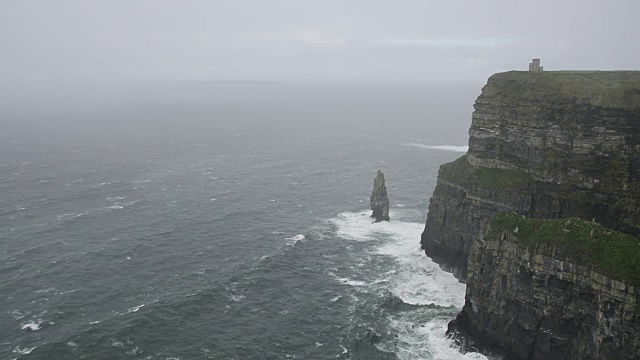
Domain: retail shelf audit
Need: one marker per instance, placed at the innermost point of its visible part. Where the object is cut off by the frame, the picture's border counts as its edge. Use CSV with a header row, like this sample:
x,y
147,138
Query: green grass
x,y
456,170
459,171
615,89
500,178
608,252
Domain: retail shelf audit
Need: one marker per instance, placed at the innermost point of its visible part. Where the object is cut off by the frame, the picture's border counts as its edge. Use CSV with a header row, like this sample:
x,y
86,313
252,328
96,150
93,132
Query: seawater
x,y
225,221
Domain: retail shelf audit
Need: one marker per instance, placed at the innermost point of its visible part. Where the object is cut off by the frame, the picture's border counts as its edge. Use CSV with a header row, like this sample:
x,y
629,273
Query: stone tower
x,y
534,65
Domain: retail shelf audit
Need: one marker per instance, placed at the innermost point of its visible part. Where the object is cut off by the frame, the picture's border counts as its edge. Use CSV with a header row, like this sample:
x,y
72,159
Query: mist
x,y
294,41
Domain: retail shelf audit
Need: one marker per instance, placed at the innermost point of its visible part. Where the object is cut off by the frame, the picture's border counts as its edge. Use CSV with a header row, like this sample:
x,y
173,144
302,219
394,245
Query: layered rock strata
x,y
551,289
379,199
546,145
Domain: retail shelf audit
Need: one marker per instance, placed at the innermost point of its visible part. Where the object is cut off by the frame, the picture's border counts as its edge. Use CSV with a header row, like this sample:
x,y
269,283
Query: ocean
x,y
177,220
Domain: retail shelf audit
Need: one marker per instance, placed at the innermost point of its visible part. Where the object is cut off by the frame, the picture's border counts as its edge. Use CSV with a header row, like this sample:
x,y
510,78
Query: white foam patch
x,y
237,298
17,314
32,325
426,341
357,226
348,281
135,308
416,279
116,198
294,239
454,148
22,351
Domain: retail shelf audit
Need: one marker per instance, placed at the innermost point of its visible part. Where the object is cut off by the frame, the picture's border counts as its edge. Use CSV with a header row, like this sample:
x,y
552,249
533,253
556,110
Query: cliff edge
x,y
546,145
546,149
552,289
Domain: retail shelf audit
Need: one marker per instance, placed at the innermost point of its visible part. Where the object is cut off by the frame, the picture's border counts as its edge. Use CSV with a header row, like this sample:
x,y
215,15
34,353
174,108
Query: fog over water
x,y
208,220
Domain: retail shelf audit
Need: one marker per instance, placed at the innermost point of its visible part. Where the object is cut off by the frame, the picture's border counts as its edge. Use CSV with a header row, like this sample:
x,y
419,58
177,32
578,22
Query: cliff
x,y
379,199
552,289
545,150
546,145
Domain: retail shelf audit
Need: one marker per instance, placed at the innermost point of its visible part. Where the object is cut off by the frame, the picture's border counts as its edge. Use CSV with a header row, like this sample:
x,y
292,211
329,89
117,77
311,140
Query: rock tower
x,y
379,199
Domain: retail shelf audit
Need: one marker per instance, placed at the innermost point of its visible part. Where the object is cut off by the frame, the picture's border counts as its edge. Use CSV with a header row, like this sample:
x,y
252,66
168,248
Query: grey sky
x,y
298,40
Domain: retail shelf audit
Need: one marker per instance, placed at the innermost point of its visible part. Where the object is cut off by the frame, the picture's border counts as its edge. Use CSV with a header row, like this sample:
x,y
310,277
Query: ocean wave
x,y
32,325
454,148
69,216
116,198
425,341
136,308
294,239
417,279
348,281
237,298
357,226
17,314
23,351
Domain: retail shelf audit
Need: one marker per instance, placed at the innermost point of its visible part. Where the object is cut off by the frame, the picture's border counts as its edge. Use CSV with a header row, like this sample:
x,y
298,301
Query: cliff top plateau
x,y
613,89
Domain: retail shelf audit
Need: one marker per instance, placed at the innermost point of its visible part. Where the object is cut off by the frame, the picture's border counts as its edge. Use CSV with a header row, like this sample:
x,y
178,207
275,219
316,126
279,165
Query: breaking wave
x,y
454,148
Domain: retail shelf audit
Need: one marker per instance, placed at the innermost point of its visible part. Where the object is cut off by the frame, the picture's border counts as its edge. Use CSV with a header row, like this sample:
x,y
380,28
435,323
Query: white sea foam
x,y
135,308
355,226
348,281
32,325
237,298
69,216
135,351
116,198
454,148
424,341
47,290
294,239
415,279
22,351
17,314
418,280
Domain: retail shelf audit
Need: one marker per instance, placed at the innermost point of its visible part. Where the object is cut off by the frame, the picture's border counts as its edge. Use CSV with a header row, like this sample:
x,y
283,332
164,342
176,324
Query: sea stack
x,y
379,199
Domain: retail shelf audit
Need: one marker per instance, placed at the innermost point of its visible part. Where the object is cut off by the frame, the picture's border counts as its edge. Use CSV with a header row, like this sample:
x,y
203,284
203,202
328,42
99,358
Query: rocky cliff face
x,y
546,145
551,289
546,149
379,199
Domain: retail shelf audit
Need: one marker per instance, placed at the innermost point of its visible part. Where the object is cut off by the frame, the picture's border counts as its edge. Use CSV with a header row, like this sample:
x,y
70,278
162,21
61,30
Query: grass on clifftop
x,y
608,252
489,178
616,89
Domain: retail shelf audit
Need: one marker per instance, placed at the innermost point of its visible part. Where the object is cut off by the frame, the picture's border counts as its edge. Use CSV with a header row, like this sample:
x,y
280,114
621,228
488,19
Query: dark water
x,y
224,221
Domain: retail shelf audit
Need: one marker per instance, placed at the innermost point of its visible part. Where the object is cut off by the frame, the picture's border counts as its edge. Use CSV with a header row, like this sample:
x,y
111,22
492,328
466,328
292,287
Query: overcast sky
x,y
304,40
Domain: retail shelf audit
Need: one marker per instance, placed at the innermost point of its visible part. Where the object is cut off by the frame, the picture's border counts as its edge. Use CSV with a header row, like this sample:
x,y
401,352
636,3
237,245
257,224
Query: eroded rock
x,y
379,199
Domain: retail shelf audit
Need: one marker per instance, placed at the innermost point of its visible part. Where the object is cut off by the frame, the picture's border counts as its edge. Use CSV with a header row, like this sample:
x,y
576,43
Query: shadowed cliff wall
x,y
546,145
